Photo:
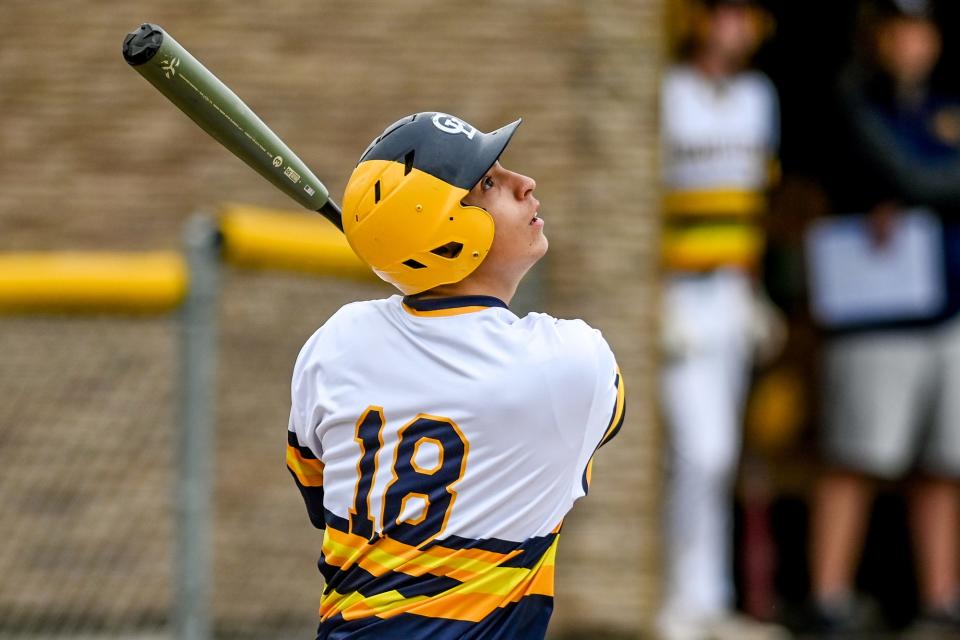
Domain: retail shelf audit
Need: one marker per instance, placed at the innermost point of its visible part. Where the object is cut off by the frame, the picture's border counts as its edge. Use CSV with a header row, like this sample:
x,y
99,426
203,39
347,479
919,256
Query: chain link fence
x,y
86,429
88,436
265,574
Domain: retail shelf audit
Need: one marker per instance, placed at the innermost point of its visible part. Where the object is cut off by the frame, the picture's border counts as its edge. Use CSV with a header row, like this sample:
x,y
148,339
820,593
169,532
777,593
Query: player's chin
x,y
540,245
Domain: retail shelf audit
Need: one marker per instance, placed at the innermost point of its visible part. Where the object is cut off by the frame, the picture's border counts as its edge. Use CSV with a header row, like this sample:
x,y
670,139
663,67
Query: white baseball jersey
x,y
440,443
718,134
719,143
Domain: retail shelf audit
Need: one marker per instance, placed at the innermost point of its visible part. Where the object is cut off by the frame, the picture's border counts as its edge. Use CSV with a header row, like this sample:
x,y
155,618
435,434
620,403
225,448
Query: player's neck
x,y
715,65
476,284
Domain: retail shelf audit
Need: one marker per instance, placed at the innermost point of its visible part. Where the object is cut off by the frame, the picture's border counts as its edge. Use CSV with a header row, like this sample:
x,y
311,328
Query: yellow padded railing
x,y
296,241
151,282
147,282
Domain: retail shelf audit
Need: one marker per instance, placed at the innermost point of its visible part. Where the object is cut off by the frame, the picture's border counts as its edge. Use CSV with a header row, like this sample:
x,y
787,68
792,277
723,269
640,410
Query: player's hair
x,y
873,14
683,16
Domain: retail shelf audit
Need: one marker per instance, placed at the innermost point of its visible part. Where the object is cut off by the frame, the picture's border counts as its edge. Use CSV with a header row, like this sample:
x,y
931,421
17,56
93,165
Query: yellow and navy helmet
x,y
402,210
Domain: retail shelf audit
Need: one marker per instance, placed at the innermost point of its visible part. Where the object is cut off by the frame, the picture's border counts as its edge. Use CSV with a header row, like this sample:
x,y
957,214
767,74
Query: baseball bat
x,y
221,113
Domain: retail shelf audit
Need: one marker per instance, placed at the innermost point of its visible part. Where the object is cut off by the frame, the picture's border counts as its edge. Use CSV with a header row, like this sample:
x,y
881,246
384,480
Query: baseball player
x,y
719,133
436,437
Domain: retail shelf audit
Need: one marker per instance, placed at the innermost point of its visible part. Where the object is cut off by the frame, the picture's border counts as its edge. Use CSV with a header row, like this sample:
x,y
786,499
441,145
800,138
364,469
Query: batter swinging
x,y
438,438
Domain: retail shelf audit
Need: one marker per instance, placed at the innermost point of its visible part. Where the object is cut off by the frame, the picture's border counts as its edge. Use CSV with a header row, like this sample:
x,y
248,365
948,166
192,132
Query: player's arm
x,y
594,380
304,460
609,395
307,471
619,411
914,177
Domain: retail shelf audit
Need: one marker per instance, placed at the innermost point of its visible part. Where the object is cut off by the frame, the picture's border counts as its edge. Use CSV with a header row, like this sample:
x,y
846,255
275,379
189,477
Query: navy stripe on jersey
x,y
531,549
436,304
531,552
615,421
313,499
523,555
360,580
294,442
465,587
312,493
613,427
335,521
496,545
486,544
523,620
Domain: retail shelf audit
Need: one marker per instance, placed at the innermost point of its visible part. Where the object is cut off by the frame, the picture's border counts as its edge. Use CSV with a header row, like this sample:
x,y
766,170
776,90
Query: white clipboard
x,y
852,281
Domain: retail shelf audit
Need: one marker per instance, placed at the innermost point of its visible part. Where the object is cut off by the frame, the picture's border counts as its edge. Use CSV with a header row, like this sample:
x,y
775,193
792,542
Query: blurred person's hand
x,y
946,126
677,340
767,329
881,224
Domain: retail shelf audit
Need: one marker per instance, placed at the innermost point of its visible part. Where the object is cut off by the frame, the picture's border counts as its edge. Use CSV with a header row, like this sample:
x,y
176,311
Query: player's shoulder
x,y
758,82
545,322
683,78
362,310
347,325
678,77
572,341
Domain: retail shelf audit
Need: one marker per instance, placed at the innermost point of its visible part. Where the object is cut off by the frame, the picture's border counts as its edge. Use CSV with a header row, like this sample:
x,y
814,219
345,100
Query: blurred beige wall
x,y
94,158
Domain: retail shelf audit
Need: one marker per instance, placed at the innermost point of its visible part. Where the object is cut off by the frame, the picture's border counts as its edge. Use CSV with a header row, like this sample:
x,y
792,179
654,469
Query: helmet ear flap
x,y
476,214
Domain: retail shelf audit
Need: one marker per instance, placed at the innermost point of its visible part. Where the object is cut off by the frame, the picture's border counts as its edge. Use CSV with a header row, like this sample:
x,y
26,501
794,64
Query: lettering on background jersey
x,y
412,484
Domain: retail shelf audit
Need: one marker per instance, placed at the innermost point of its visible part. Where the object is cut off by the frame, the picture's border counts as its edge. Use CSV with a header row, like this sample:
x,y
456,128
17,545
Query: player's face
x,y
518,240
908,48
730,31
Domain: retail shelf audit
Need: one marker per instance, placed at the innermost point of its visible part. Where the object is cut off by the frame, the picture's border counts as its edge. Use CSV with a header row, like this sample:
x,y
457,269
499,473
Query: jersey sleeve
x,y
598,377
304,454
606,415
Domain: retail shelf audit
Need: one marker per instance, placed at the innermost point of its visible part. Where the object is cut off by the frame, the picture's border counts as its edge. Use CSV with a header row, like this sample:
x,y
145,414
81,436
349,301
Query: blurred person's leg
x,y
935,520
702,395
838,524
704,444
875,389
935,502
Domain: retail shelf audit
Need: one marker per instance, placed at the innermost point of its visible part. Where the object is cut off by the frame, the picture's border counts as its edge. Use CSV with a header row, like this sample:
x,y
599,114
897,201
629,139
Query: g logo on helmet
x,y
450,124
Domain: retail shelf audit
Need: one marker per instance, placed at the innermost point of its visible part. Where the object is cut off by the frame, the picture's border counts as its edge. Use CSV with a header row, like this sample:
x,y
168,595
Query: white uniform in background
x,y
440,443
719,141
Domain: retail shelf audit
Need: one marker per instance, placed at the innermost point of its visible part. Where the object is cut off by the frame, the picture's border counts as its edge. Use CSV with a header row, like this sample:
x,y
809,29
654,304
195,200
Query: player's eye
x,y
486,183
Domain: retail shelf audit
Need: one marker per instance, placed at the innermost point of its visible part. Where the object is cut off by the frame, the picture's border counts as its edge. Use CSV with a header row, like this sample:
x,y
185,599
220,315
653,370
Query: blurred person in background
x,y
720,128
891,390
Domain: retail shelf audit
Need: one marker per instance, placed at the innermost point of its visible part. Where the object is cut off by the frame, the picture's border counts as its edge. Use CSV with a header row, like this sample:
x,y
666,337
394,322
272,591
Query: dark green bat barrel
x,y
212,105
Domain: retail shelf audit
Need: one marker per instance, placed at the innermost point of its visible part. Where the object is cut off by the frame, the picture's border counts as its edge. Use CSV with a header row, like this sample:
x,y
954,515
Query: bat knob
x,y
142,44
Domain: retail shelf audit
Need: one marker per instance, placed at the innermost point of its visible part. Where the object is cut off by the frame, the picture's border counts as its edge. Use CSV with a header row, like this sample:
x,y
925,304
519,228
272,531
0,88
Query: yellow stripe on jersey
x,y
617,409
714,203
309,471
472,601
704,247
385,555
439,313
616,421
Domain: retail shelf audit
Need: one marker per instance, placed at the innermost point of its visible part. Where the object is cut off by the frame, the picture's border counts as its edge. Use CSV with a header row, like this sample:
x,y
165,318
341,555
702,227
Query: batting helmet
x,y
402,208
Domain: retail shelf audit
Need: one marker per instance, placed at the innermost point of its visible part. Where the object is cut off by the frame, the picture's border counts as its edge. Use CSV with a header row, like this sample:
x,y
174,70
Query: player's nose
x,y
525,186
